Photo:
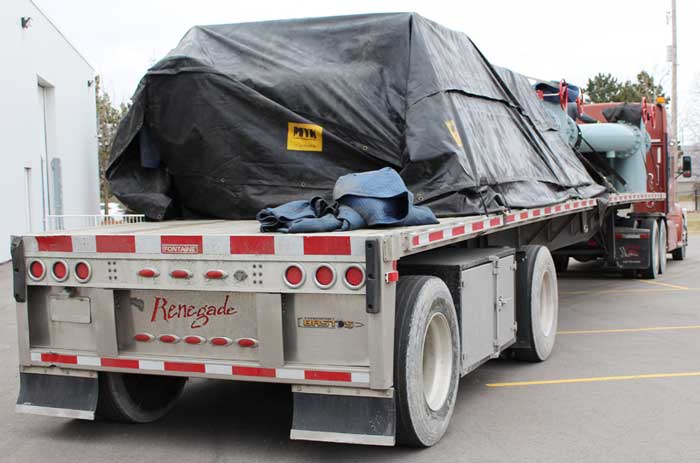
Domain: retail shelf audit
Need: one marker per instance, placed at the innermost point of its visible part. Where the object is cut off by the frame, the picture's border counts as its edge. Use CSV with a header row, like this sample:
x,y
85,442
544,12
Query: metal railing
x,y
79,221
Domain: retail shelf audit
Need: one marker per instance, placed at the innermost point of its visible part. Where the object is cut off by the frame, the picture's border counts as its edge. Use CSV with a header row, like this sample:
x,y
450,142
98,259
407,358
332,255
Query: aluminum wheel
x,y
437,361
547,304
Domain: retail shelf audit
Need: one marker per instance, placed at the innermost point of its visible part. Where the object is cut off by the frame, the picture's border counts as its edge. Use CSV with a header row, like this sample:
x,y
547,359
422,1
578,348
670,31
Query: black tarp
x,y
240,117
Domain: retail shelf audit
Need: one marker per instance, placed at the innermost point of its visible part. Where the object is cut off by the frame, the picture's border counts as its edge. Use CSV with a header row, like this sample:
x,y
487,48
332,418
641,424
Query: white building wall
x,y
40,55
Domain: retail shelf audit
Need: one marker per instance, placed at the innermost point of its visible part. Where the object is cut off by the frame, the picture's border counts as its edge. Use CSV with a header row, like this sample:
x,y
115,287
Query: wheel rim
x,y
437,361
547,309
655,253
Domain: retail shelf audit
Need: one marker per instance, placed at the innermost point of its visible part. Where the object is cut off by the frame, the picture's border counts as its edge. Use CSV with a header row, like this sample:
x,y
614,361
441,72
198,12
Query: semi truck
x,y
371,328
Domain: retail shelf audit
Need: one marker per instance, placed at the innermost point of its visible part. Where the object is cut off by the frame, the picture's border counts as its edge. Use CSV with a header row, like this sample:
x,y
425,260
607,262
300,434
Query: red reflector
x,y
644,236
119,363
50,357
215,274
184,366
195,340
247,342
354,277
148,273
144,337
221,341
392,276
37,269
82,271
618,236
169,338
180,274
327,375
325,276
294,275
254,371
60,271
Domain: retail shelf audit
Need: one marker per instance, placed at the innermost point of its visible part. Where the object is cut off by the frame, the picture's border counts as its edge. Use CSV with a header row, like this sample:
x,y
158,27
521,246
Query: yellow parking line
x,y
595,379
667,285
632,330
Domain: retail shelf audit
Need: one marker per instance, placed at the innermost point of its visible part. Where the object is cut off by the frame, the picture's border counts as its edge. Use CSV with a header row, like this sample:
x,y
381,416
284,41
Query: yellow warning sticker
x,y
304,137
452,127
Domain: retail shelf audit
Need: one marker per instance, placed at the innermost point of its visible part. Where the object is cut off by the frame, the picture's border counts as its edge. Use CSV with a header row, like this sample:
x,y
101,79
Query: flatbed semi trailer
x,y
372,328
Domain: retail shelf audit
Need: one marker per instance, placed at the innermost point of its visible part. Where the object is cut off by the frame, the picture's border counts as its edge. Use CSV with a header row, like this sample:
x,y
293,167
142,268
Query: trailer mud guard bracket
x,y
344,419
19,270
56,395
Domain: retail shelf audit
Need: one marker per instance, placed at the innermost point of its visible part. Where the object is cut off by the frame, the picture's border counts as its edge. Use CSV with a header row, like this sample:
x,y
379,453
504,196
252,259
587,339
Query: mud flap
x,y
344,419
55,395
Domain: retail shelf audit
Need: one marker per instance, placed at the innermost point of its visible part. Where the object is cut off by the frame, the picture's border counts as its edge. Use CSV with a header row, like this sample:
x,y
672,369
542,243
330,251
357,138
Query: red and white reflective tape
x,y
471,227
205,368
635,197
218,245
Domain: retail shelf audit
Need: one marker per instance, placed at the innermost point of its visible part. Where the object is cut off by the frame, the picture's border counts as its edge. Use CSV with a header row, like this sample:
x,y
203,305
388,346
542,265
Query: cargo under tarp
x,y
240,117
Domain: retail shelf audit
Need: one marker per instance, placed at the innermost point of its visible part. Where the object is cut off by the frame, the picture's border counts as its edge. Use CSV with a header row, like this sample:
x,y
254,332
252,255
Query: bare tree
x,y
689,121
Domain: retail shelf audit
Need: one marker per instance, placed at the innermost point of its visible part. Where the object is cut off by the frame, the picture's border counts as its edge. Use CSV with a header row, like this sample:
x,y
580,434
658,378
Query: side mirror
x,y
687,168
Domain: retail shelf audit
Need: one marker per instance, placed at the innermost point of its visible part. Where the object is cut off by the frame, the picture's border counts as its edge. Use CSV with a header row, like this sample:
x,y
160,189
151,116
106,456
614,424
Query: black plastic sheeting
x,y
246,116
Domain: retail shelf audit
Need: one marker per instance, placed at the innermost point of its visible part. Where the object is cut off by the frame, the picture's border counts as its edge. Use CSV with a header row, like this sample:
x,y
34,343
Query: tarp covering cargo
x,y
241,117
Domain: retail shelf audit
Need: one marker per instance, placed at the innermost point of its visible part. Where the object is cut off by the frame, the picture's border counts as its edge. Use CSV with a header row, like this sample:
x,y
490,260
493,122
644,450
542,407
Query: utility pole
x,y
674,78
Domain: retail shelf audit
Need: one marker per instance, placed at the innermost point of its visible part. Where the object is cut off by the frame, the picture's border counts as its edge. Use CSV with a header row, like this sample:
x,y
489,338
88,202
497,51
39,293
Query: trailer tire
x,y
426,360
652,271
561,262
662,247
129,398
537,305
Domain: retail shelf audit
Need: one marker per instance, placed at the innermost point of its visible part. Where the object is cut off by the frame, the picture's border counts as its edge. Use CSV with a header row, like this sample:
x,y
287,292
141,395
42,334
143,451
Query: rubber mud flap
x,y
347,419
56,395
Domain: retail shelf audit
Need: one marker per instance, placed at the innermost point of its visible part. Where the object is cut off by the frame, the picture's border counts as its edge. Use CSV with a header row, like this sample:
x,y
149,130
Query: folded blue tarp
x,y
368,199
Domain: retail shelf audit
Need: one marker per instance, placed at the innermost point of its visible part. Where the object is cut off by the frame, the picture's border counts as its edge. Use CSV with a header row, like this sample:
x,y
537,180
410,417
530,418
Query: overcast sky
x,y
547,39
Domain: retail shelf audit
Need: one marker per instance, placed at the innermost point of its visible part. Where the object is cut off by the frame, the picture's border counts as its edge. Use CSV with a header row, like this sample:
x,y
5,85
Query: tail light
x,y
192,339
294,276
148,273
181,273
215,274
354,277
221,341
169,338
325,276
37,270
59,270
247,342
144,337
83,271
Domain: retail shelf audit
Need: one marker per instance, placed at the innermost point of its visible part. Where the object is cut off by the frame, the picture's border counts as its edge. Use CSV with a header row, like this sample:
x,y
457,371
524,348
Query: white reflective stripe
x,y
89,361
35,356
341,437
152,365
357,246
56,412
147,244
359,377
289,245
215,369
216,245
84,244
30,244
287,373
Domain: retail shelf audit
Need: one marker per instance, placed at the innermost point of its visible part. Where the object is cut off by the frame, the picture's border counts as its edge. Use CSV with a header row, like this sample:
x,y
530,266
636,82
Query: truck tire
x,y
662,247
536,305
426,360
130,398
561,262
652,271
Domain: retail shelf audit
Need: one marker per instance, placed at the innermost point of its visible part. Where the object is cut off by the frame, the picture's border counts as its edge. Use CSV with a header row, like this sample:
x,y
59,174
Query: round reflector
x,y
294,276
82,271
325,276
60,270
354,277
37,270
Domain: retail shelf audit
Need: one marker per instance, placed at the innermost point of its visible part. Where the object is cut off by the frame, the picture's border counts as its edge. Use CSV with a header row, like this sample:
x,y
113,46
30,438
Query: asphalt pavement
x,y
623,384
